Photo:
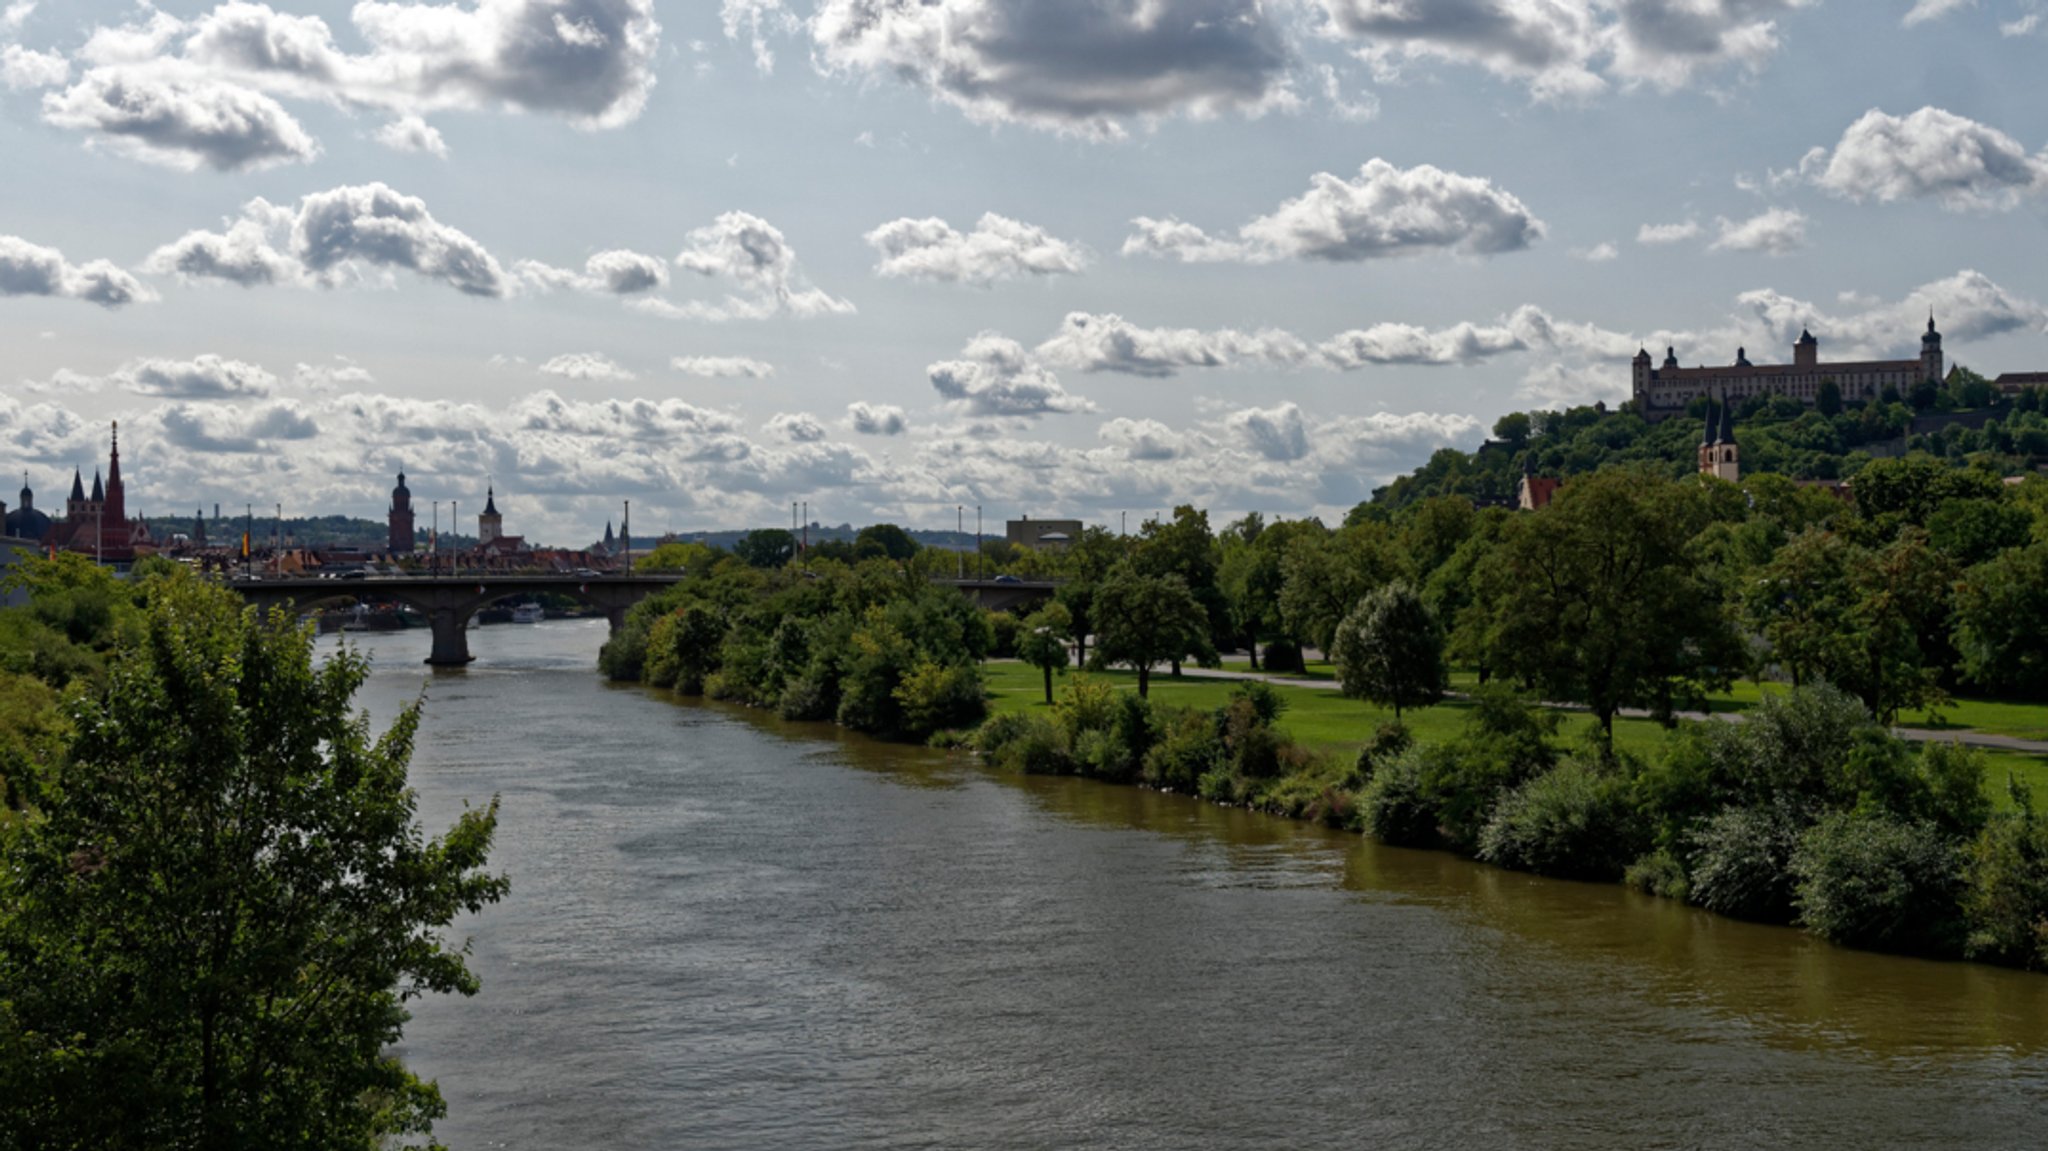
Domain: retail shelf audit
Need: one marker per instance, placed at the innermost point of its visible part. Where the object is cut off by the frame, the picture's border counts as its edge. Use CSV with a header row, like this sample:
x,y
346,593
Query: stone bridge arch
x,y
449,602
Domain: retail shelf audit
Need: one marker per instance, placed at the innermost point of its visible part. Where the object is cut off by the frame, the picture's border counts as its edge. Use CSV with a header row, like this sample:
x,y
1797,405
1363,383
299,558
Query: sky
x,y
1056,258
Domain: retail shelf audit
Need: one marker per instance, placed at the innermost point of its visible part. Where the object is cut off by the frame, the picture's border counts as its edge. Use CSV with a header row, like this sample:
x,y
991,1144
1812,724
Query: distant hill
x,y
1963,422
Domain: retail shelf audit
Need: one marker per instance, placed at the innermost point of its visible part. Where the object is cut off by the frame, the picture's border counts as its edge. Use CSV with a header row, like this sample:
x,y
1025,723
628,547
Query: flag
x,y
245,545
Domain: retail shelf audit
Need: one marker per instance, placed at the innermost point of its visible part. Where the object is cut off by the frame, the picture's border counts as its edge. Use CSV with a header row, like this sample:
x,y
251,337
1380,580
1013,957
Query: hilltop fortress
x,y
1664,391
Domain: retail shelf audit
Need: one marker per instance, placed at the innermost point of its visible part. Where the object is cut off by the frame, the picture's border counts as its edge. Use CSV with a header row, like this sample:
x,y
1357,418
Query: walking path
x,y
1981,739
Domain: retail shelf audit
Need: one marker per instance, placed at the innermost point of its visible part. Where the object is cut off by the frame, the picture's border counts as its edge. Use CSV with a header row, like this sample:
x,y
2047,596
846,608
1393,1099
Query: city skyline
x,y
892,259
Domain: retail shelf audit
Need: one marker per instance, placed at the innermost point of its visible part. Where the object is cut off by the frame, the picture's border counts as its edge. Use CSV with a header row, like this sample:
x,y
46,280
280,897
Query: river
x,y
725,931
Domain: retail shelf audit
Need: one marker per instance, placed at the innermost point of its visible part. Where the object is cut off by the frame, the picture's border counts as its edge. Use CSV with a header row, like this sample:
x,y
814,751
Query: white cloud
x,y
1110,343
876,419
1774,232
1144,439
1930,154
1668,233
617,272
1925,10
1277,433
32,270
1599,253
1359,111
342,373
1968,305
723,367
183,124
206,377
757,20
997,377
1461,343
15,15
1078,68
795,427
2023,26
1567,49
752,256
1556,385
234,429
1384,212
584,366
412,134
998,248
22,68
332,236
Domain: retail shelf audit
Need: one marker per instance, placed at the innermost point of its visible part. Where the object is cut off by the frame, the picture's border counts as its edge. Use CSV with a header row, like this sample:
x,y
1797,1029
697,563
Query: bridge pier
x,y
451,637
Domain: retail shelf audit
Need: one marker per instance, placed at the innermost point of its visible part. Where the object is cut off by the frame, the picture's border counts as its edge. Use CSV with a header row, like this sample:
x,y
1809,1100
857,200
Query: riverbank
x,y
1807,813
1322,719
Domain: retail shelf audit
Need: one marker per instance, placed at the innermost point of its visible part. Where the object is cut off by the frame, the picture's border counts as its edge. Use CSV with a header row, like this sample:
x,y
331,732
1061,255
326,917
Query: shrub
x,y
1871,879
1252,747
1136,729
1741,863
1098,753
811,696
1396,807
658,668
1035,746
936,695
745,673
1187,749
1389,741
1573,820
1087,704
1658,873
1001,731
2006,901
1265,701
1003,629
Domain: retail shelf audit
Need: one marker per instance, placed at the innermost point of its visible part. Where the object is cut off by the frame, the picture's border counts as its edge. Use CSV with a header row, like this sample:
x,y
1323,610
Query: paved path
x,y
1981,739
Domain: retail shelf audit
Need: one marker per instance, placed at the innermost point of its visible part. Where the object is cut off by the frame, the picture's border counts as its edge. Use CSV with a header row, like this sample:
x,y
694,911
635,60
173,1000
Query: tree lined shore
x,y
1632,590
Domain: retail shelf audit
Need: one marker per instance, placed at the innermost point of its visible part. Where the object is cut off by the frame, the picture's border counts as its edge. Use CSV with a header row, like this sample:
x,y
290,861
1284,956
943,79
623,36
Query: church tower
x,y
115,510
490,524
400,515
1930,352
1719,456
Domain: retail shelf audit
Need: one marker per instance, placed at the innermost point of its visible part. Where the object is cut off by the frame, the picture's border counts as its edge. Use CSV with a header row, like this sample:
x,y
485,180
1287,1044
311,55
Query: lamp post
x,y
434,542
977,542
248,536
627,536
960,527
454,518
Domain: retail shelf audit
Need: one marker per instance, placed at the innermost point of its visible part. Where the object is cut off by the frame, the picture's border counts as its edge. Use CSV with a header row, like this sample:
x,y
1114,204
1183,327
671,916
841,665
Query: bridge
x,y
1004,594
449,601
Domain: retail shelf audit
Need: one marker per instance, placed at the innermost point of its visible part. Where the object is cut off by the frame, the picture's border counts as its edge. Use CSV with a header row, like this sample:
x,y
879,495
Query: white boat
x,y
528,613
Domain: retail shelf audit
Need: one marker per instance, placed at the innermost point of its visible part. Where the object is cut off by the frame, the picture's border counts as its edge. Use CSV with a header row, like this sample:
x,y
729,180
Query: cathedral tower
x,y
401,535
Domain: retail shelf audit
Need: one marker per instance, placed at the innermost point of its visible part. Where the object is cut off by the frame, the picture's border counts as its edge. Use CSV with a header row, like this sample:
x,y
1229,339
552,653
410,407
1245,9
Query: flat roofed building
x,y
1045,535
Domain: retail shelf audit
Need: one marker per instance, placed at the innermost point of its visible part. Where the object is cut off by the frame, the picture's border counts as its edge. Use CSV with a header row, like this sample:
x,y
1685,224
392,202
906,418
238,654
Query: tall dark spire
x,y
77,486
99,490
490,501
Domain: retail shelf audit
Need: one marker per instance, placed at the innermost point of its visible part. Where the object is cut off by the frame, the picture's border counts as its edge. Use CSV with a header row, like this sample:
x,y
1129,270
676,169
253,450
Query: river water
x,y
725,931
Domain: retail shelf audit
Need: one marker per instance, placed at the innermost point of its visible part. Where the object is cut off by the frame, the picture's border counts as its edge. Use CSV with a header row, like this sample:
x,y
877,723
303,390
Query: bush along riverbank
x,y
1809,813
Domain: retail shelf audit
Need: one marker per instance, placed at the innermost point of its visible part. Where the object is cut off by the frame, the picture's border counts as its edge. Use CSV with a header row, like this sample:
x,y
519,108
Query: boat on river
x,y
528,613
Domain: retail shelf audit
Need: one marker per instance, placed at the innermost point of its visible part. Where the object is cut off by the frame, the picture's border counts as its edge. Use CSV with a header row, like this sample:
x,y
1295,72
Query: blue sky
x,y
1055,257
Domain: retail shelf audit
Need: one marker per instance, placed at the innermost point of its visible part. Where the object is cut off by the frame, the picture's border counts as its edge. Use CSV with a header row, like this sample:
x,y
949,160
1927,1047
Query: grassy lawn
x,y
1323,720
1327,722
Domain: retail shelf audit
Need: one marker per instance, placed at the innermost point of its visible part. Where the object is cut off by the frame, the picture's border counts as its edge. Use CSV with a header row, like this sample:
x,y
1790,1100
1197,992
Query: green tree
x,y
677,556
1390,651
886,540
1042,642
1600,599
1325,576
1088,561
260,902
1184,546
765,547
2002,622
1828,399
1149,620
1970,531
1800,603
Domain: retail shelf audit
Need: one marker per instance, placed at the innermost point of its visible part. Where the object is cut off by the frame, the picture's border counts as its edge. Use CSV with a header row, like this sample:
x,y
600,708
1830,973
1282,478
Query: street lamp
x,y
434,542
960,528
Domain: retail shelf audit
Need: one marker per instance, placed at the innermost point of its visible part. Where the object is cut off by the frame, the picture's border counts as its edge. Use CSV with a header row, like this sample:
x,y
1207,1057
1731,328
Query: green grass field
x,y
1328,723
